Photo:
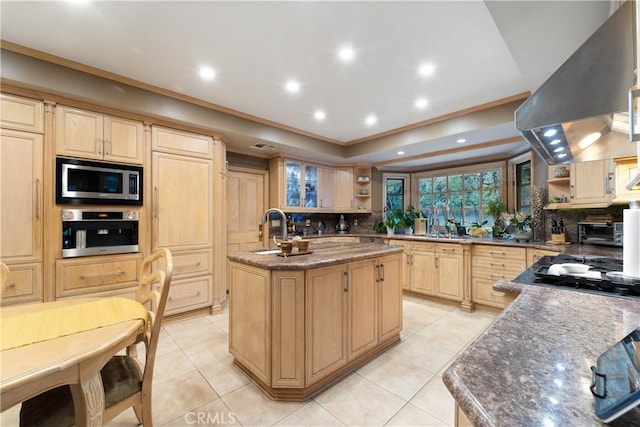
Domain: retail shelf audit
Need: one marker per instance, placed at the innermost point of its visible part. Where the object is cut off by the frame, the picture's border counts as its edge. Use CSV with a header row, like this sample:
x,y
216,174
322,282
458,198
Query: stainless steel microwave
x,y
83,182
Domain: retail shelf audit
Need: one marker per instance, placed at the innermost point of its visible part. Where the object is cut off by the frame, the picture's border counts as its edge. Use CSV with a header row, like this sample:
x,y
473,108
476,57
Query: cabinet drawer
x,y
23,285
499,252
424,247
191,263
21,113
189,294
80,276
482,292
490,268
445,249
179,142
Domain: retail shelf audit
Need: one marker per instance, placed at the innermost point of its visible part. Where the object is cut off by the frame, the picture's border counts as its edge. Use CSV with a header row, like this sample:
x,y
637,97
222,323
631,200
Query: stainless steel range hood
x,y
588,95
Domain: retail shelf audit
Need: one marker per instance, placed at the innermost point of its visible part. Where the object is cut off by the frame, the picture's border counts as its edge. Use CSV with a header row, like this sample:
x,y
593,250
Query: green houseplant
x,y
496,208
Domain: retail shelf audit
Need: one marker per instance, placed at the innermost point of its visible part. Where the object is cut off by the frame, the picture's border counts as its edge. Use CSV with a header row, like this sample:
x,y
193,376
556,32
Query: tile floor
x,y
196,383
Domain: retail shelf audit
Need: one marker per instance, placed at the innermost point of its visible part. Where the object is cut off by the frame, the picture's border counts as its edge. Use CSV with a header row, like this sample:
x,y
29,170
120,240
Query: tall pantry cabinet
x,y
21,206
183,181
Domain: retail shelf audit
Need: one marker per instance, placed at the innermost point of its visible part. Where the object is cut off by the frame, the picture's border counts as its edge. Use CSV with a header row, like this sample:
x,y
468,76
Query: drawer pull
x,y
11,285
497,294
499,276
194,295
448,250
496,265
496,253
188,265
99,275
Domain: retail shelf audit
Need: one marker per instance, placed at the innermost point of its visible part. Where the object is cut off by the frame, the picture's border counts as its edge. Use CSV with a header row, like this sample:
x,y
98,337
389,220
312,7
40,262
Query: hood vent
x,y
588,95
266,148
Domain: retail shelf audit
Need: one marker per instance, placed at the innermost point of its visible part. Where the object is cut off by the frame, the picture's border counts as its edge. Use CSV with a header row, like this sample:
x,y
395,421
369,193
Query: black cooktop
x,y
609,284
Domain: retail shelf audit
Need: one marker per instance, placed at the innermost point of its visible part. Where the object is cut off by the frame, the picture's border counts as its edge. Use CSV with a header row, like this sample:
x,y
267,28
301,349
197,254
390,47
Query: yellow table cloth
x,y
23,325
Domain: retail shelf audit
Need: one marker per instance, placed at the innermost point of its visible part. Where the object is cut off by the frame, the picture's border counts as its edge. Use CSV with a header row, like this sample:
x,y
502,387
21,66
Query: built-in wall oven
x,y
99,232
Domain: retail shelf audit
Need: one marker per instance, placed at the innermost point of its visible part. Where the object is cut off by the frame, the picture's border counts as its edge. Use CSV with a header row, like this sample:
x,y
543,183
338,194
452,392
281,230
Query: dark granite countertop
x,y
320,255
531,366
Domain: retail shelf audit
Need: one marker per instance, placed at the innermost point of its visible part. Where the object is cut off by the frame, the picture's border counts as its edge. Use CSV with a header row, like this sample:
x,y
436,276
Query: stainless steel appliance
x,y
91,232
86,182
600,233
609,281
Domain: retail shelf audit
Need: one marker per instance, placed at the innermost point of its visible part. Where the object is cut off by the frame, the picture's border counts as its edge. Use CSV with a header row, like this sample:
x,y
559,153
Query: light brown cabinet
x,y
91,135
183,214
418,266
626,170
592,182
343,189
21,210
19,113
297,331
491,263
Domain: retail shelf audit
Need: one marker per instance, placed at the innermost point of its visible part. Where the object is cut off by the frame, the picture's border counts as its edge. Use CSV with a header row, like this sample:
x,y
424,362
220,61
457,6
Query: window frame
x,y
407,188
513,202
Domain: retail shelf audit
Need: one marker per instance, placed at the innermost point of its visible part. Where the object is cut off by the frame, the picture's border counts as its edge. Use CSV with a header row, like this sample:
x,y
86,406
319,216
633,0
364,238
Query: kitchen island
x,y
297,324
531,366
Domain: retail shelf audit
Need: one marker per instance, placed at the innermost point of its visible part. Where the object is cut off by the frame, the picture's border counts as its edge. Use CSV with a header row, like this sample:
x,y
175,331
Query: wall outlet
x,y
355,222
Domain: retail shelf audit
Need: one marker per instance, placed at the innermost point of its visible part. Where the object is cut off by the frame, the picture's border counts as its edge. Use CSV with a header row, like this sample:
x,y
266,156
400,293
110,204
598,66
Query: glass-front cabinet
x,y
301,185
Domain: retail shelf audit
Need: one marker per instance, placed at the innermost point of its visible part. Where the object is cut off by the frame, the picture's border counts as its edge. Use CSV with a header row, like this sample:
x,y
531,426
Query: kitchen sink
x,y
266,251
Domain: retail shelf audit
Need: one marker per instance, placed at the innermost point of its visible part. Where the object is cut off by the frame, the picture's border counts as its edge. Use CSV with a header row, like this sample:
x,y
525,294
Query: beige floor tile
x,y
253,408
171,365
422,352
435,400
214,413
448,337
224,376
402,378
211,349
312,415
179,396
357,401
410,416
10,417
166,344
221,321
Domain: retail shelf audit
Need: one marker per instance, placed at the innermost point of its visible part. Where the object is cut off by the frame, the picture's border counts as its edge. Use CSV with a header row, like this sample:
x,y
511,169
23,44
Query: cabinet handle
x,y
496,253
609,184
38,198
346,281
197,294
377,273
496,265
99,144
155,204
436,262
99,275
499,276
496,294
188,265
571,191
260,230
107,147
382,271
11,285
448,250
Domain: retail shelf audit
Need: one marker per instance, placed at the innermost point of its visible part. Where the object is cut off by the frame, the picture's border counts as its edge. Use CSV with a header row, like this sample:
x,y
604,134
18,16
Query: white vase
x,y
390,231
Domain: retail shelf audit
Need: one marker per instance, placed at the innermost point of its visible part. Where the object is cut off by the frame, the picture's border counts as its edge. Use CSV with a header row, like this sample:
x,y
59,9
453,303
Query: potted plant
x,y
395,220
410,215
495,208
521,224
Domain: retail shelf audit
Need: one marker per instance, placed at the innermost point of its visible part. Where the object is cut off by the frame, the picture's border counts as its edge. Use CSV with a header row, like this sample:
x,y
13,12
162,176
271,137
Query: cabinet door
x,y
389,297
343,189
182,202
449,271
123,140
293,184
325,322
592,182
21,185
626,170
363,307
21,113
406,262
79,133
311,182
326,184
423,271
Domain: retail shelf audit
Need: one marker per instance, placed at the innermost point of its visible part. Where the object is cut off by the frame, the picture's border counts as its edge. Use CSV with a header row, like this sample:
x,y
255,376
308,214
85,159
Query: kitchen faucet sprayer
x,y
283,222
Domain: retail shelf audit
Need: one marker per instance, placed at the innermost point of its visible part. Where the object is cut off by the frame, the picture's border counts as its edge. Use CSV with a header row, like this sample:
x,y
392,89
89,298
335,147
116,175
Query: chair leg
x,y
147,418
137,408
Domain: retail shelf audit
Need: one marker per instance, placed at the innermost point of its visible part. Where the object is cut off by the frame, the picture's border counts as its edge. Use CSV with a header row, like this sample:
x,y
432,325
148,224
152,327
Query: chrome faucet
x,y
283,222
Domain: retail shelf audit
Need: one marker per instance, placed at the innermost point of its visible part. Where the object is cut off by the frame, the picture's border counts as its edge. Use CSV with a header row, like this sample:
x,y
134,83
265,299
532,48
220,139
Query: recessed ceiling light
x,y
292,86
562,155
371,120
421,103
461,141
559,149
346,54
426,69
555,141
400,153
207,73
319,115
589,139
551,132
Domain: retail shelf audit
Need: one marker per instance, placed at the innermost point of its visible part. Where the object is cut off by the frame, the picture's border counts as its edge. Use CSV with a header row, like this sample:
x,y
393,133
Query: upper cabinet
x,y
21,114
626,170
582,185
91,135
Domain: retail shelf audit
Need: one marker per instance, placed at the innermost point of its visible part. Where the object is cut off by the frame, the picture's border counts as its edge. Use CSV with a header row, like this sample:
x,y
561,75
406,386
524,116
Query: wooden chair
x,y
4,277
127,382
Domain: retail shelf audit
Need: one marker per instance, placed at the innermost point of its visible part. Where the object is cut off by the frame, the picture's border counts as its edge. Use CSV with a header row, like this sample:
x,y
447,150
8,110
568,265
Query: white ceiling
x,y
482,52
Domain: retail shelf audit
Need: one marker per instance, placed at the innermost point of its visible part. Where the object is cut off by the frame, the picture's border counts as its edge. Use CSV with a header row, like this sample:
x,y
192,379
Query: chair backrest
x,y
153,291
4,277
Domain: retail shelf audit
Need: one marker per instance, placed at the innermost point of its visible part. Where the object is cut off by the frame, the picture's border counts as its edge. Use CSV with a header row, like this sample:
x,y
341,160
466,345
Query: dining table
x,y
67,342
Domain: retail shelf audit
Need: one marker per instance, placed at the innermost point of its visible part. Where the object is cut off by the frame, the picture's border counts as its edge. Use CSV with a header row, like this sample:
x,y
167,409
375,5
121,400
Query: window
x,y
396,191
523,187
462,194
